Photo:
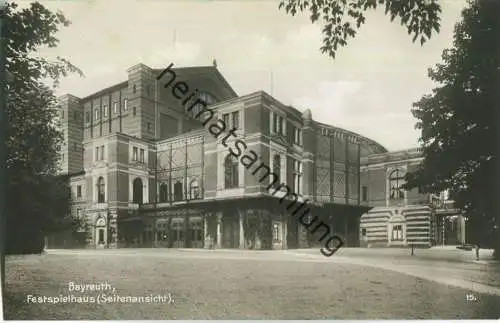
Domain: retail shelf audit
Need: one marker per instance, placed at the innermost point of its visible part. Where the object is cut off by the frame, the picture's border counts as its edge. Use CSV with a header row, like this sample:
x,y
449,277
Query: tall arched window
x,y
101,189
164,192
194,190
396,181
178,191
277,169
207,98
230,172
137,191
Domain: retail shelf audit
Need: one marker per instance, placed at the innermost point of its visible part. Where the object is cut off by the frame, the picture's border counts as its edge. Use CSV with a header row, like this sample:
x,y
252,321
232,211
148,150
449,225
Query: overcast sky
x,y
369,88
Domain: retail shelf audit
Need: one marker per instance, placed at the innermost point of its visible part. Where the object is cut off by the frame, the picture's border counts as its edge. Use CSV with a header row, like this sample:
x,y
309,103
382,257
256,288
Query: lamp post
x,y
3,152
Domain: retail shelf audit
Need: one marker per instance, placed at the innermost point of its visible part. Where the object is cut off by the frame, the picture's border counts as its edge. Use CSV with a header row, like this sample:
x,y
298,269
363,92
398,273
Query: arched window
x,y
137,191
164,192
207,98
178,191
230,172
194,190
396,181
277,169
101,189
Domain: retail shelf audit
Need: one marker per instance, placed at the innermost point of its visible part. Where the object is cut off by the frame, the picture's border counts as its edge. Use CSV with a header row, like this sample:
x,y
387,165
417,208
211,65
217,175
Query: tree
x,y
37,198
459,123
342,18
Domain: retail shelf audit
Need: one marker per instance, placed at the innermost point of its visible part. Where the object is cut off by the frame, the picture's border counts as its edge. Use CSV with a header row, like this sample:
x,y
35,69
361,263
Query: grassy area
x,y
261,286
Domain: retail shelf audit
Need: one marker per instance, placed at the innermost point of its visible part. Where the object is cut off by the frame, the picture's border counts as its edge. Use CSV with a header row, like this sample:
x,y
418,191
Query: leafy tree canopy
x,y
459,121
38,199
342,18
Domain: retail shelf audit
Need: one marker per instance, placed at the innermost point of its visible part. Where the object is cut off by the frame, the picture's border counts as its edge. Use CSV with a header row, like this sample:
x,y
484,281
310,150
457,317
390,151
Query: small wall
x,y
396,227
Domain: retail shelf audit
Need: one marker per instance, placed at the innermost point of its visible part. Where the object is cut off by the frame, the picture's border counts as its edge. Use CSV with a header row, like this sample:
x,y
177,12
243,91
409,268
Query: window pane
x,y
236,119
275,122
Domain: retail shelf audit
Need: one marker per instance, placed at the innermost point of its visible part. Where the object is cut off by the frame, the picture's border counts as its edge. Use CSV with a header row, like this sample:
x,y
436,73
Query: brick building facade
x,y
148,173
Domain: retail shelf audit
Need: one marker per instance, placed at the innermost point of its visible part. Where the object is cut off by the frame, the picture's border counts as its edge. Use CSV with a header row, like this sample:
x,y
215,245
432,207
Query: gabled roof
x,y
188,70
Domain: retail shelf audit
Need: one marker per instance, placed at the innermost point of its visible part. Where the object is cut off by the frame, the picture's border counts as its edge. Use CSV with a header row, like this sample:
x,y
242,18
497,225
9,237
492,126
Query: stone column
x,y
219,231
242,231
187,238
155,232
284,232
206,240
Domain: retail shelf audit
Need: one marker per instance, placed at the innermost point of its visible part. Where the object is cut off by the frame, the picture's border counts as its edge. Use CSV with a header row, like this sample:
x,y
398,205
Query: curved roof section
x,y
367,143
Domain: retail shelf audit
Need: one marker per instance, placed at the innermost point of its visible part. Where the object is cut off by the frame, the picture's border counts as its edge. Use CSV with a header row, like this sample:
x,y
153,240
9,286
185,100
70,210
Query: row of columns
x,y
219,233
214,233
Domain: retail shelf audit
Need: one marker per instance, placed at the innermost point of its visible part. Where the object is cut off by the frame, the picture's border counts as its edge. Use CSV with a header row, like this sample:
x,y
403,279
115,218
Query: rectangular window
x,y
299,184
102,152
149,126
105,111
75,115
281,122
75,146
97,114
78,191
96,153
87,116
236,119
141,155
134,111
225,118
275,122
397,232
134,153
115,107
125,104
363,232
297,176
364,193
297,136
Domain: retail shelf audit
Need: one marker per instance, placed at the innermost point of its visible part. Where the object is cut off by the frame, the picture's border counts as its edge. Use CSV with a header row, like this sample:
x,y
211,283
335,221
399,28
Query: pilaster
x,y
206,235
219,230
113,229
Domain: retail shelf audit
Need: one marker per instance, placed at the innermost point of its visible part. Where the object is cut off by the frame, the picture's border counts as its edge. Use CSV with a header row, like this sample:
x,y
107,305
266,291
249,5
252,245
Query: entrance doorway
x,y
100,232
101,236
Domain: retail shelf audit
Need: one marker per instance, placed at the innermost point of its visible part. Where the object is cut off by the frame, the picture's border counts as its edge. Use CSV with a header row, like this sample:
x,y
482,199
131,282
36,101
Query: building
x,y
399,217
148,171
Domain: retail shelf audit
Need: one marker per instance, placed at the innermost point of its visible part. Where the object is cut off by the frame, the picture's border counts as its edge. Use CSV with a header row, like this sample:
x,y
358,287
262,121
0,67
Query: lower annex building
x,y
147,172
